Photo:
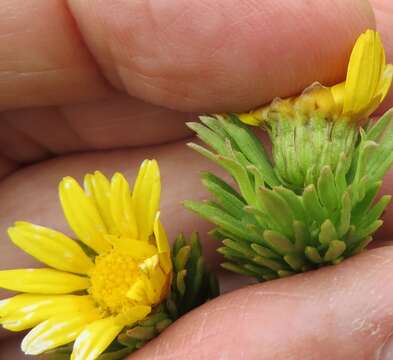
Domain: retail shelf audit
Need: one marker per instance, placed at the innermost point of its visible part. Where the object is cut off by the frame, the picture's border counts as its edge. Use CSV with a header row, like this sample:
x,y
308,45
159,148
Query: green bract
x,y
315,203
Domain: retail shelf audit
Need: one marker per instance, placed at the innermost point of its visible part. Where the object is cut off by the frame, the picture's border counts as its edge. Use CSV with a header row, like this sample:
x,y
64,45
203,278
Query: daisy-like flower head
x,y
88,297
367,83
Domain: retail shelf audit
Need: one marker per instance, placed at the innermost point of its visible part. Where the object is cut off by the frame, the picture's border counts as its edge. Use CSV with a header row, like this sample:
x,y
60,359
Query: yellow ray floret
x,y
87,296
366,85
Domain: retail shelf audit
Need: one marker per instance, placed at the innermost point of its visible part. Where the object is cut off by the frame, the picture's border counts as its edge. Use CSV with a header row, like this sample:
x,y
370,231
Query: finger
x,y
188,55
44,62
383,10
341,312
222,55
31,135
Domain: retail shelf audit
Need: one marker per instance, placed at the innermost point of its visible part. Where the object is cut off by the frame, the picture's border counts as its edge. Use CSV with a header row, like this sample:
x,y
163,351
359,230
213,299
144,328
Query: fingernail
x,y
387,350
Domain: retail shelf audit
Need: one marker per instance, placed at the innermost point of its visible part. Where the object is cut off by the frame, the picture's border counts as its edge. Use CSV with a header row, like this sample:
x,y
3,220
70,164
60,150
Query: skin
x,y
112,83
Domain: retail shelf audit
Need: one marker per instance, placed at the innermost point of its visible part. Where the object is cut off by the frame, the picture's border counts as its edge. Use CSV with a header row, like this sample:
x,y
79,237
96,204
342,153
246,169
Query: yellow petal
x,y
365,69
95,338
59,330
160,235
42,281
139,250
162,245
82,216
26,311
386,81
50,247
139,291
146,197
121,207
135,314
249,119
7,306
154,283
98,188
338,93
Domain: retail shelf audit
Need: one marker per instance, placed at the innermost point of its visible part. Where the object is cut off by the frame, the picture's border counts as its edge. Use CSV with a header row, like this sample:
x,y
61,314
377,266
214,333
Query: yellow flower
x,y
367,84
90,299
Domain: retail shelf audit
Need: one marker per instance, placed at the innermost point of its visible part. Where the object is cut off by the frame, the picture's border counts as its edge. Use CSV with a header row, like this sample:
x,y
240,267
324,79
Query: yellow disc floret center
x,y
111,278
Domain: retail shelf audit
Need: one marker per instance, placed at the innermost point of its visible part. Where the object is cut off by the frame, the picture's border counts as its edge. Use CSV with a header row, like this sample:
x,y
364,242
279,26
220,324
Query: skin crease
x,y
106,76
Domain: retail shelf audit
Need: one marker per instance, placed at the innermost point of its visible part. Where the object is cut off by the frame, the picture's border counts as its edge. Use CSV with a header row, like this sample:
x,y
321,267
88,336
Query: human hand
x,y
189,56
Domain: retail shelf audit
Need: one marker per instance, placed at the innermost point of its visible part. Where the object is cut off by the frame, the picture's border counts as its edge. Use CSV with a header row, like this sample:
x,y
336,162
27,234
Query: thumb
x,y
341,312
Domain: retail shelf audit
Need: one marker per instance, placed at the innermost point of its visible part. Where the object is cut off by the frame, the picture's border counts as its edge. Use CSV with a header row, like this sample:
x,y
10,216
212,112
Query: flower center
x,y
111,278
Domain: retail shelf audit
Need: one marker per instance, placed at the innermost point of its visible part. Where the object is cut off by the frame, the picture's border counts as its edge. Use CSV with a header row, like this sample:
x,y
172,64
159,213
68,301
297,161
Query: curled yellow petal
x,y
249,119
368,78
50,247
82,216
98,188
160,235
27,310
57,331
133,315
138,250
42,281
95,338
121,207
386,81
138,292
162,245
146,197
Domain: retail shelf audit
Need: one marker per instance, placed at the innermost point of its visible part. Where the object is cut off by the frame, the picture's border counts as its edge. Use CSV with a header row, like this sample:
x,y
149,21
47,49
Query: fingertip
x,y
339,312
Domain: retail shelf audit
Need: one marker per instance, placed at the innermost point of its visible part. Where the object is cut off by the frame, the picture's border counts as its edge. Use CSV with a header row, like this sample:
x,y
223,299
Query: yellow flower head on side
x,y
367,83
88,297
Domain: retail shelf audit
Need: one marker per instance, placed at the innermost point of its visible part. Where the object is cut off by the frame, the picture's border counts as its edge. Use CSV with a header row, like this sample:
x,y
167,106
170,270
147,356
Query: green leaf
x,y
213,179
236,269
378,128
327,189
328,232
116,355
340,174
375,212
278,242
312,205
313,255
302,236
268,263
260,272
182,257
345,216
241,176
284,273
294,201
214,124
180,282
264,252
295,261
277,209
221,219
143,333
364,232
336,249
251,147
209,137
228,201
242,248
